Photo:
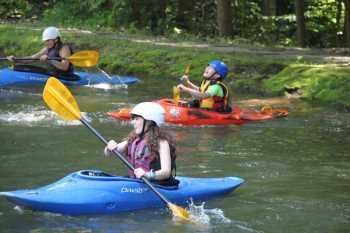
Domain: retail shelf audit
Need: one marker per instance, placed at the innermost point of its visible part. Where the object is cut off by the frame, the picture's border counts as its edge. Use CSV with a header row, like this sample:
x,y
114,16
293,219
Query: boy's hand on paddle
x,y
181,87
184,79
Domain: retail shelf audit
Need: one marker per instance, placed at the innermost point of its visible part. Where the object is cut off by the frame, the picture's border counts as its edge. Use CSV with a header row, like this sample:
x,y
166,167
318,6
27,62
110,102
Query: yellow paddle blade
x,y
179,212
87,58
187,69
176,94
60,100
266,108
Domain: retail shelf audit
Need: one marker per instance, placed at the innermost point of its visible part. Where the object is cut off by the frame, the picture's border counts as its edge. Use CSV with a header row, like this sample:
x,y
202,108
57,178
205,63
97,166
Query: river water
x,y
297,169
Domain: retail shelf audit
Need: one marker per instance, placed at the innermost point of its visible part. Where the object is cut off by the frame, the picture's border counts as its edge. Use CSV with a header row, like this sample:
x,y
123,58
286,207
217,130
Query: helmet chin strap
x,y
144,130
211,76
212,81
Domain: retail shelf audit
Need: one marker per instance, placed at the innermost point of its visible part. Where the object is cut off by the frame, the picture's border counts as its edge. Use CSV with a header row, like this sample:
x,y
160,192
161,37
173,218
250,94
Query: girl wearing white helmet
x,y
213,93
150,150
54,48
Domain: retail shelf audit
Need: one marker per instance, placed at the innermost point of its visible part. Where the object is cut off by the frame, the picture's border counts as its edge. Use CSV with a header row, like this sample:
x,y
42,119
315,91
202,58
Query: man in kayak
x,y
53,48
212,94
150,150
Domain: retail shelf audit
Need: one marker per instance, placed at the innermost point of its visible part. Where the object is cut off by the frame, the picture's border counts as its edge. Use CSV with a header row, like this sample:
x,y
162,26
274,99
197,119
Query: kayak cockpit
x,y
98,175
46,71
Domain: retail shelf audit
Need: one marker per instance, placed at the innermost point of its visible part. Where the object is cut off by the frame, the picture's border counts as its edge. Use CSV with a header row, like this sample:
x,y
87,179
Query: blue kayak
x,y
92,192
10,77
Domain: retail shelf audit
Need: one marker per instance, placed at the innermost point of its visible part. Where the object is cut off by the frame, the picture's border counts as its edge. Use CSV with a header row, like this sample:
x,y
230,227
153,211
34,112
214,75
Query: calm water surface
x,y
297,170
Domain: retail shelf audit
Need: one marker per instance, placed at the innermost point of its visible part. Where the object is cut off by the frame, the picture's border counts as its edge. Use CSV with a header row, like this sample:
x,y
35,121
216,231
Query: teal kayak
x,y
93,192
10,77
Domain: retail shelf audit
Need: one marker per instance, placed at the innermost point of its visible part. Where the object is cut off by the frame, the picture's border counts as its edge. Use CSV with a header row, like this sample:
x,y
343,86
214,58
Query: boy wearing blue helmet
x,y
212,94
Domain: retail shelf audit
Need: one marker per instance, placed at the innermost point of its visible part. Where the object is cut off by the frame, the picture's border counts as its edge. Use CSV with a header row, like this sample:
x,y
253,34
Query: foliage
x,y
30,40
15,9
248,72
325,83
186,19
93,14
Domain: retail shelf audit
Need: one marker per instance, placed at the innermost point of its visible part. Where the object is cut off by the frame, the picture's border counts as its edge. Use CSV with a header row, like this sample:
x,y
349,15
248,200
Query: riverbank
x,y
317,75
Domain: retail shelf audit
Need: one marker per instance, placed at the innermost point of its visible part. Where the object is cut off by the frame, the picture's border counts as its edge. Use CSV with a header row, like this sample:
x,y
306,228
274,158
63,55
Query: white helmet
x,y
50,33
150,111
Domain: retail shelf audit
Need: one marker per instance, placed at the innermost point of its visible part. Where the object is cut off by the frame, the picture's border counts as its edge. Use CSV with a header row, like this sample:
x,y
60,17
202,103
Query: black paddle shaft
x,y
124,160
30,59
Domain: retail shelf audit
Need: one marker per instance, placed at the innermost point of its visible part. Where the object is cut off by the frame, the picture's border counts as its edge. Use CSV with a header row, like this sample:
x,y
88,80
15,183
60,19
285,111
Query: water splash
x,y
18,209
107,82
198,213
11,94
205,217
108,86
33,117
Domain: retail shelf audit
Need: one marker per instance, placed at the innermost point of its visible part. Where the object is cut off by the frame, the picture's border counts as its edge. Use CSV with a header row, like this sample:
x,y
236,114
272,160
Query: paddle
x,y
176,94
176,90
87,58
61,101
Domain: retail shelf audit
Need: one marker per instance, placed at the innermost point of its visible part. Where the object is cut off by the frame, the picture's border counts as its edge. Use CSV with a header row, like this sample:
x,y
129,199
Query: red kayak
x,y
182,114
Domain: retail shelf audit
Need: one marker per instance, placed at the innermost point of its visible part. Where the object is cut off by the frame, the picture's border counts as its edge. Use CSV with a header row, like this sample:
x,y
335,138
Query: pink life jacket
x,y
139,155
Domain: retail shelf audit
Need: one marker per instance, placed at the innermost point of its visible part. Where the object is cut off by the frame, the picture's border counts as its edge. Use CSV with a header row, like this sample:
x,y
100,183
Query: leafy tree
x,y
314,23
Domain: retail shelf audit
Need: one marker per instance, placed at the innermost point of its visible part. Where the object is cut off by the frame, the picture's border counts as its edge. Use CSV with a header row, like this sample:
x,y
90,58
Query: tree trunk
x,y
162,15
224,17
347,23
158,15
337,22
135,15
300,9
270,7
183,14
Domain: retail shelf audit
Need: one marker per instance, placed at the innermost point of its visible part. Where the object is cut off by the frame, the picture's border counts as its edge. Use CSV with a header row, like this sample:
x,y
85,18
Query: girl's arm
x,y
38,54
165,161
35,56
121,147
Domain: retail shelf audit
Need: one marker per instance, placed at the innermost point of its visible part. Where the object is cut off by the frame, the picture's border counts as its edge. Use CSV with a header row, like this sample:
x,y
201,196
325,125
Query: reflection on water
x,y
297,170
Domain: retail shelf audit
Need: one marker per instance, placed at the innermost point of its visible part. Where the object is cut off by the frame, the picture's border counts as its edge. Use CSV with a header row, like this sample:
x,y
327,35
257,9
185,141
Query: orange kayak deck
x,y
184,115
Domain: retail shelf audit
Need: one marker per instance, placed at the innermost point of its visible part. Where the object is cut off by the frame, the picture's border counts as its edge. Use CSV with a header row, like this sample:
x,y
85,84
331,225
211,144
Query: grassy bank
x,y
256,73
325,83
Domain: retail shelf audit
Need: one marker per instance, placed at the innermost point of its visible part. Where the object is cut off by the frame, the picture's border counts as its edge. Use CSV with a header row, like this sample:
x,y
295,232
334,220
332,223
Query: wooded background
x,y
304,23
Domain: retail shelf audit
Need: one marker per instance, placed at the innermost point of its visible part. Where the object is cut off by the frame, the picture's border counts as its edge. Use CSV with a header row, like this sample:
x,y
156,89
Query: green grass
x,y
326,83
250,72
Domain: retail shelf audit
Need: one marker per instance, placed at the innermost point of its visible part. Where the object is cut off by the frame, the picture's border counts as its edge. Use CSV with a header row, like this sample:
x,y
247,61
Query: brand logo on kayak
x,y
174,112
37,78
133,190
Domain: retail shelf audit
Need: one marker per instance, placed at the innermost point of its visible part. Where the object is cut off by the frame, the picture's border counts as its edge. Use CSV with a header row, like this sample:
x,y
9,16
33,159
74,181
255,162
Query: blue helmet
x,y
220,67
